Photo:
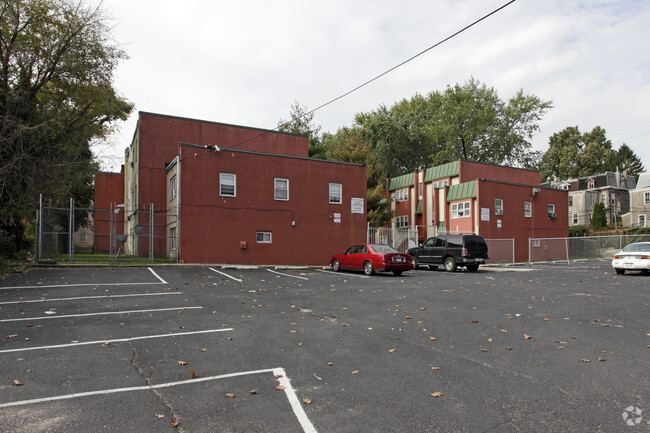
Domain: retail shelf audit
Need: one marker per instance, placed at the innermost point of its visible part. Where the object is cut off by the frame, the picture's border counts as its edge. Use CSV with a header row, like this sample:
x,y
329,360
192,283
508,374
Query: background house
x,y
495,202
639,203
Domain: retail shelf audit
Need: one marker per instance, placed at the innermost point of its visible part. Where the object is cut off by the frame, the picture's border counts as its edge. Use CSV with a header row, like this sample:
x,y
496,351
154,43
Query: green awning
x,y
418,209
400,182
461,191
443,171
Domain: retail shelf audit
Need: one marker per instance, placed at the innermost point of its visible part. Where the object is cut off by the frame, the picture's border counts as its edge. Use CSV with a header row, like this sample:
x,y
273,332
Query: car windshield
x,y
637,247
383,249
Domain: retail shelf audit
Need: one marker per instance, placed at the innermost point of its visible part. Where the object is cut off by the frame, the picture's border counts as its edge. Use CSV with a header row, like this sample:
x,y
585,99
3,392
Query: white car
x,y
634,257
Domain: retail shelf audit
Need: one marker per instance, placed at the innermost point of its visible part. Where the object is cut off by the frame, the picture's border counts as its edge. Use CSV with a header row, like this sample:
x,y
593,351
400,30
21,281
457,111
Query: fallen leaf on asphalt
x,y
490,340
292,331
504,330
330,364
306,401
435,368
392,350
575,338
474,321
192,374
354,371
527,337
230,395
174,423
160,415
12,336
432,338
280,388
597,321
108,343
182,363
277,376
204,350
560,347
17,382
559,341
436,394
254,391
508,348
584,360
602,359
345,324
29,325
484,350
26,338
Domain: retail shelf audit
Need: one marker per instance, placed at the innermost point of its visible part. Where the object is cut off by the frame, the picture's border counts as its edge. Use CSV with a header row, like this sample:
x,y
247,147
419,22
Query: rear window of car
x,y
472,242
383,249
454,241
637,247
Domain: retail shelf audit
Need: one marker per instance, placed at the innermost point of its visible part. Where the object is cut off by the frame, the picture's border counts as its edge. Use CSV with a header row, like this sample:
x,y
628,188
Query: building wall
x,y
305,230
469,171
109,192
638,207
156,143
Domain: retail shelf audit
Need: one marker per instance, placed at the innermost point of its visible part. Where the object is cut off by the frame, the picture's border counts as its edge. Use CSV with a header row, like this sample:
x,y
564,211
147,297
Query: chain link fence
x,y
579,248
100,235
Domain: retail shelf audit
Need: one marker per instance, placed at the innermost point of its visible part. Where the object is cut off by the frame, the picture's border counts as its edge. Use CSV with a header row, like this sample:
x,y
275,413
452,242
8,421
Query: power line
x,y
331,101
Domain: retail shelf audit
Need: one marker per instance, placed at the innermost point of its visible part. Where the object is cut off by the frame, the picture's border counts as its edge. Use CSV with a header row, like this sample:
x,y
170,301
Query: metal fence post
x,y
40,227
151,232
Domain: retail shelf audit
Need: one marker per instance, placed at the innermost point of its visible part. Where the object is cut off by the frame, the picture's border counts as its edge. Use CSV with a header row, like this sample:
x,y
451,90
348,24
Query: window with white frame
x,y
527,209
83,238
591,184
570,200
263,237
536,242
420,187
402,194
603,197
228,185
281,190
172,238
440,184
642,222
551,210
461,210
335,193
575,219
498,206
646,198
401,221
172,188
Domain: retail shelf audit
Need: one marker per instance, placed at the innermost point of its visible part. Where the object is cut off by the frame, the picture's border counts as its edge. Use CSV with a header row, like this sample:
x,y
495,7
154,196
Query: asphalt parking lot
x,y
199,349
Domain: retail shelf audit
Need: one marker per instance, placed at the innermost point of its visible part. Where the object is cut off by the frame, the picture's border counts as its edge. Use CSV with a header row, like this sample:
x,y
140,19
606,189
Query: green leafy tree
x,y
350,145
468,121
560,160
627,160
56,96
597,155
302,123
599,217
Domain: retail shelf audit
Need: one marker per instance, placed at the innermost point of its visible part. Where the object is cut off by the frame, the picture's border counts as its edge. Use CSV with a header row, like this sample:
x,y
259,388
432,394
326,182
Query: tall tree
x,y
302,122
350,145
56,96
560,160
627,160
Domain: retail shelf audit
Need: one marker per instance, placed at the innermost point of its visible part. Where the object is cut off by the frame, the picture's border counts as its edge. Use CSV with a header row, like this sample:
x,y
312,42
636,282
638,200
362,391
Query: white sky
x,y
245,62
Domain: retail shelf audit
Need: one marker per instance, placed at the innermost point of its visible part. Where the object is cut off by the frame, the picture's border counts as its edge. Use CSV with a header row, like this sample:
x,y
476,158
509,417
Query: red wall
x,y
514,224
159,138
213,227
109,189
469,171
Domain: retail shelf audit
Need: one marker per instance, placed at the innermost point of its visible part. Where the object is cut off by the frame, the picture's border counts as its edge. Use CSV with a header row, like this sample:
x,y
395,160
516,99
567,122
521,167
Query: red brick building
x,y
109,210
220,197
495,202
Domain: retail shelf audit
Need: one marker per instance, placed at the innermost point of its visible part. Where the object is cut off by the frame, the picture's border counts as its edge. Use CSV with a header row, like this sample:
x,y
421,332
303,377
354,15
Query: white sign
x,y
337,215
337,218
485,214
357,205
498,224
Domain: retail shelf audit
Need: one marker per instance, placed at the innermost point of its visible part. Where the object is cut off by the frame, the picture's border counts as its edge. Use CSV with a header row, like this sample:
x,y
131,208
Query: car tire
x,y
368,269
416,264
472,268
336,266
450,264
397,273
619,271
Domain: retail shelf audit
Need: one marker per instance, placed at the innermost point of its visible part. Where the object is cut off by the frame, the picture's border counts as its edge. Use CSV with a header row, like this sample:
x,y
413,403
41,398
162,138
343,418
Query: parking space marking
x,y
342,275
77,298
226,275
287,275
52,286
278,373
104,313
116,340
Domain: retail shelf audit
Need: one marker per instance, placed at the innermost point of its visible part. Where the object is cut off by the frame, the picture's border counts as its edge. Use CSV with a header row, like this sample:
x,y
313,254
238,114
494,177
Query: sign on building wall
x,y
485,214
337,217
357,205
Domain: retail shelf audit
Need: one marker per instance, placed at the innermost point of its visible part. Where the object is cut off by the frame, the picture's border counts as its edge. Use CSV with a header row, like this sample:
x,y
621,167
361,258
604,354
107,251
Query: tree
x,y
564,151
463,122
627,160
302,123
599,218
350,145
56,96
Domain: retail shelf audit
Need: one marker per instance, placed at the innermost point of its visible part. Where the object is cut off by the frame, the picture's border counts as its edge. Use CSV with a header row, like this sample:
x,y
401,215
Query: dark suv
x,y
451,251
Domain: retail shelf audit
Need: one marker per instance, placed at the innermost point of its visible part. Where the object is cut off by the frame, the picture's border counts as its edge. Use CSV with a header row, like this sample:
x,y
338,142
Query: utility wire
x,y
467,27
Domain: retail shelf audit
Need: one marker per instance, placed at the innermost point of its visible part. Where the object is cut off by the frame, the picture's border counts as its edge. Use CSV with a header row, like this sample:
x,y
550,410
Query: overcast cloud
x,y
245,62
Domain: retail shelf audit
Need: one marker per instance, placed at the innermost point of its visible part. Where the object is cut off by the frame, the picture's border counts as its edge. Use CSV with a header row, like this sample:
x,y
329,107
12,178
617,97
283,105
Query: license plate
x,y
398,259
628,265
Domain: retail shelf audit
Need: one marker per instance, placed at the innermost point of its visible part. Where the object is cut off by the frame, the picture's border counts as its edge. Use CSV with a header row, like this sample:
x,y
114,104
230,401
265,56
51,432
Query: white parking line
x,y
65,316
77,298
51,286
342,275
287,275
226,275
279,374
116,340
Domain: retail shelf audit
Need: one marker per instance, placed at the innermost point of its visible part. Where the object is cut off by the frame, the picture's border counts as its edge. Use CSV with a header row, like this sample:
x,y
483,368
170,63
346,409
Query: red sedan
x,y
371,258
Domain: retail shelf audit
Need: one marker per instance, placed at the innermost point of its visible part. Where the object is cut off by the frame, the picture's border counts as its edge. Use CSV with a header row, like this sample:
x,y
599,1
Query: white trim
x,y
340,193
275,188
222,184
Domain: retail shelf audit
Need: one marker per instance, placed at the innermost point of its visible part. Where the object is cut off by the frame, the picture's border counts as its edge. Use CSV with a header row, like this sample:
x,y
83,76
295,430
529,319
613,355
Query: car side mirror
x,y
420,244
345,251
